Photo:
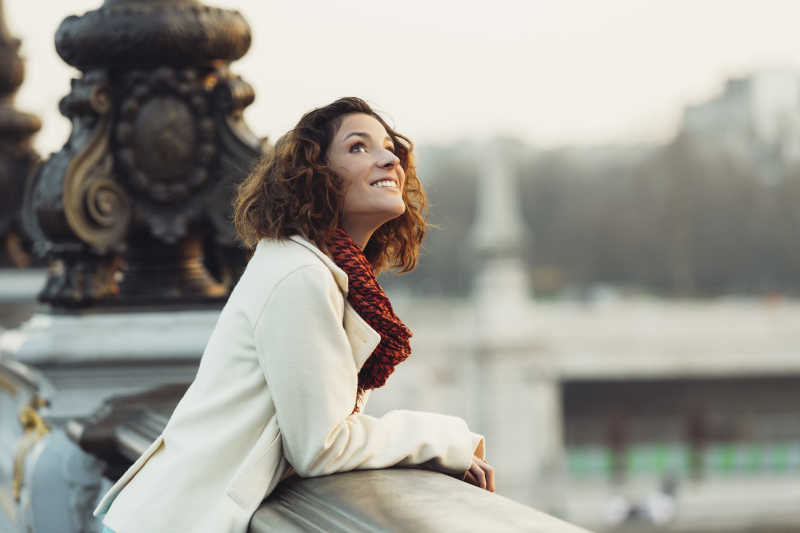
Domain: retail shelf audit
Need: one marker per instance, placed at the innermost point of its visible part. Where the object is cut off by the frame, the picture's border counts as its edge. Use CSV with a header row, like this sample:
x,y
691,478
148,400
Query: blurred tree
x,y
689,218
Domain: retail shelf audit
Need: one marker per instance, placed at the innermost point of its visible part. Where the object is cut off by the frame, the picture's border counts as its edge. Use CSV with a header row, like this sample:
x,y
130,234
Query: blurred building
x,y
755,116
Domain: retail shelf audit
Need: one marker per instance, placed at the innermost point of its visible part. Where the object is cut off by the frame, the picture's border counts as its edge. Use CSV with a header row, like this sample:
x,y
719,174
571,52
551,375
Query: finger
x,y
489,472
469,478
472,480
478,473
489,477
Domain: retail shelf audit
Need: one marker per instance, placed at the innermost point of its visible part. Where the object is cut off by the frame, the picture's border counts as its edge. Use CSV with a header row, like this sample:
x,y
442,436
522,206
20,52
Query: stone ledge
x,y
399,499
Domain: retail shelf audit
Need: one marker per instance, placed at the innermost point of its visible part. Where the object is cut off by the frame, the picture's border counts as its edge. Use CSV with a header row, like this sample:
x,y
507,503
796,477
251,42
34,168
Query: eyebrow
x,y
366,136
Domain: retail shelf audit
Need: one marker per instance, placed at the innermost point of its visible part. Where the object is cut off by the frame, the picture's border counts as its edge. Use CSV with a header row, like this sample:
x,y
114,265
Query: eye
x,y
358,147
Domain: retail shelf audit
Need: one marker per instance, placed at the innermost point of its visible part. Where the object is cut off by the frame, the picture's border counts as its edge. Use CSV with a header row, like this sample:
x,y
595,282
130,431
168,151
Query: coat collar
x,y
338,274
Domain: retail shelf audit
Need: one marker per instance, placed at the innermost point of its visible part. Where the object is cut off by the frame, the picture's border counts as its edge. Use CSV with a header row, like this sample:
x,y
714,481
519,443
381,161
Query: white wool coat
x,y
273,396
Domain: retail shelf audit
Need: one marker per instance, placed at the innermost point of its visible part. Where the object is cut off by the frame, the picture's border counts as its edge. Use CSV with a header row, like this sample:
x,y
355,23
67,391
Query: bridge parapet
x,y
399,499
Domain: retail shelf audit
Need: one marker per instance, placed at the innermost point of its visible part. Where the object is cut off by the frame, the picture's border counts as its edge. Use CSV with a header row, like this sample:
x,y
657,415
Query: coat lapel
x,y
363,338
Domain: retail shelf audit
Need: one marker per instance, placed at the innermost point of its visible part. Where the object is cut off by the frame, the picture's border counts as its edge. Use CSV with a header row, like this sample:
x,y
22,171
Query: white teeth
x,y
384,183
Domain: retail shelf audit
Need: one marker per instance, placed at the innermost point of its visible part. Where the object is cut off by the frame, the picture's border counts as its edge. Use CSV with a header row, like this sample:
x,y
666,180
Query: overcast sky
x,y
552,72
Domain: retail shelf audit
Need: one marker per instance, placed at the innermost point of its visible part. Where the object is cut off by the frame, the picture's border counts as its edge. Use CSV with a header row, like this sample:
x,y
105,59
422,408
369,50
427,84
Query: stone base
x,y
18,290
87,358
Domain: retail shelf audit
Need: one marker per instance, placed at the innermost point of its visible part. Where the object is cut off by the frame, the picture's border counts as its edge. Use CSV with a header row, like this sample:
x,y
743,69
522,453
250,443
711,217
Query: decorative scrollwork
x,y
106,203
34,428
97,208
100,98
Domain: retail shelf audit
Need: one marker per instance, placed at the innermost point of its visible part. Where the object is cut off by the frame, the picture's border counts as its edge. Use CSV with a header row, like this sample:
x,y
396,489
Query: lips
x,y
396,183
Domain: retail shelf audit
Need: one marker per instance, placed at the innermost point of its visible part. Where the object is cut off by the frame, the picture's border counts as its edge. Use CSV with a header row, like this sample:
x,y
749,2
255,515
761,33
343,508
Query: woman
x,y
305,335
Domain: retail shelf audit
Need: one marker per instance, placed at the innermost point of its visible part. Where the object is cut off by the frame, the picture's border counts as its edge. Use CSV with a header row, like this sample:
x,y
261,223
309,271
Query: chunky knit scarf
x,y
368,299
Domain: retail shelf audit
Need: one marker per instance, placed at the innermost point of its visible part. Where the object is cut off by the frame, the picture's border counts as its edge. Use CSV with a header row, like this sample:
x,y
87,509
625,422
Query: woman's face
x,y
362,154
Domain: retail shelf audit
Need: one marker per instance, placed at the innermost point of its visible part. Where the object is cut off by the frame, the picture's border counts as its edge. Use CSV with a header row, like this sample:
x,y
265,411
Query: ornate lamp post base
x,y
133,215
135,208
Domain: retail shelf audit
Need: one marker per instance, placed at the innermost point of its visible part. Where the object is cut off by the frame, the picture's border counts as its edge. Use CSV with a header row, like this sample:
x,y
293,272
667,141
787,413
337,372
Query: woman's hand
x,y
481,474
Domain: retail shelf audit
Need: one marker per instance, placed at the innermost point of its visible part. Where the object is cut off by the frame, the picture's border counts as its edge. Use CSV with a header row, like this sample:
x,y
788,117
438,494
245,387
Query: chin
x,y
391,214
400,210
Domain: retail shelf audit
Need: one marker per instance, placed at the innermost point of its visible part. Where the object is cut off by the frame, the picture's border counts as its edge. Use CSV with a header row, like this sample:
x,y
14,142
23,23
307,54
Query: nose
x,y
388,160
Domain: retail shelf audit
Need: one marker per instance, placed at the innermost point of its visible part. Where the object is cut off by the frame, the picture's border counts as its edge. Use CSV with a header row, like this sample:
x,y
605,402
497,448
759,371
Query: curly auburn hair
x,y
293,191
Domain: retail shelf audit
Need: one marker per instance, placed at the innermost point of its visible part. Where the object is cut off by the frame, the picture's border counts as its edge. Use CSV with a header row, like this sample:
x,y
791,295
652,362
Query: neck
x,y
359,234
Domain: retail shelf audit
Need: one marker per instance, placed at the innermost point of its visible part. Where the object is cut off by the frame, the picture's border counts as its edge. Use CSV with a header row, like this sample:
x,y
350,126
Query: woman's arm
x,y
308,363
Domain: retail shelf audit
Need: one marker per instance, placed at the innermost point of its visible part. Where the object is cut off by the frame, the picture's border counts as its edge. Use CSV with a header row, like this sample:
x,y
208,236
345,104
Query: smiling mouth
x,y
385,183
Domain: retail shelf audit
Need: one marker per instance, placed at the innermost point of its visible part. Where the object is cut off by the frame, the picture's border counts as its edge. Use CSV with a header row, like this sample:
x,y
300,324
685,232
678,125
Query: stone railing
x,y
398,499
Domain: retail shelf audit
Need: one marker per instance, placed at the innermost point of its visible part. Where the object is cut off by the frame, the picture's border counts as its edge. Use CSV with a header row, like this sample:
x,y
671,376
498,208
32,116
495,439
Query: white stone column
x,y
520,414
518,392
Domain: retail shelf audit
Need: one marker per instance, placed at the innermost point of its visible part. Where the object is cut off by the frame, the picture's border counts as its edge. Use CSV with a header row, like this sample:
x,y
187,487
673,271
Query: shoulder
x,y
283,253
307,291
274,260
281,263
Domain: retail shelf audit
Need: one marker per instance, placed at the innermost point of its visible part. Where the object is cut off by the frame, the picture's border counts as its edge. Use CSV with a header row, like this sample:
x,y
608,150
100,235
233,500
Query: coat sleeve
x,y
307,360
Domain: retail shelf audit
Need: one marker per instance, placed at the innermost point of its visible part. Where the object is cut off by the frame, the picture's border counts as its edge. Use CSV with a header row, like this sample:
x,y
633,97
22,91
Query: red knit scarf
x,y
368,299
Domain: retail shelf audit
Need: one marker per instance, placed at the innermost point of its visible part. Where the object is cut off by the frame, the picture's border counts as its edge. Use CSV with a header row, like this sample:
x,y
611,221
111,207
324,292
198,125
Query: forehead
x,y
360,122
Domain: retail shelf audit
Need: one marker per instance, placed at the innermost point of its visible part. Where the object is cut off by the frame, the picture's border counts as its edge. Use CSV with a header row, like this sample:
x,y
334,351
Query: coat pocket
x,y
112,493
258,472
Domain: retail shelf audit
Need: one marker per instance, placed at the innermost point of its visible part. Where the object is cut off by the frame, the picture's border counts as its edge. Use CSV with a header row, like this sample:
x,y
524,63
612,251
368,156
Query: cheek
x,y
357,196
345,174
352,173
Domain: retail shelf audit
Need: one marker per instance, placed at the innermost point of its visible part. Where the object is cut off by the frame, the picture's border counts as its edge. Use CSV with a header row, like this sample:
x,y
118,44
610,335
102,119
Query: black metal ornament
x,y
136,207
